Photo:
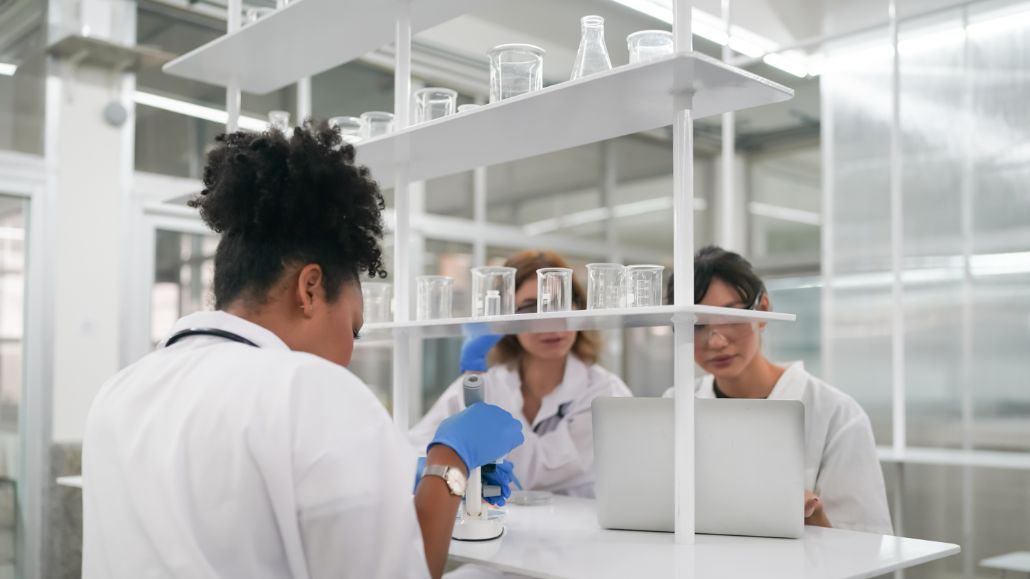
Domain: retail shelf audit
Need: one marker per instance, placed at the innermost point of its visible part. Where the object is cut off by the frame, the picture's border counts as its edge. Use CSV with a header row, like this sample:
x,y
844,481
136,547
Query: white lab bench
x,y
563,540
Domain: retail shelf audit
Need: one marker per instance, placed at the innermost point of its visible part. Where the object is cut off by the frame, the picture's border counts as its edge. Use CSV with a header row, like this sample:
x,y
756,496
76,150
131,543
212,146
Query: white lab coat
x,y
213,459
840,454
558,454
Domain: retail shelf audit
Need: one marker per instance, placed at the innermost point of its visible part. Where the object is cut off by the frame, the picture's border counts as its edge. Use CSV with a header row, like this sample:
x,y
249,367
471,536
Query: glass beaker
x,y
279,120
592,56
493,291
515,69
649,44
434,297
376,296
644,285
252,15
376,124
350,128
554,289
605,285
434,103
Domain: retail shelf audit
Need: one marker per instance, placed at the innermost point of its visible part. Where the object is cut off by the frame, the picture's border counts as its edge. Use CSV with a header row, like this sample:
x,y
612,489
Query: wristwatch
x,y
454,478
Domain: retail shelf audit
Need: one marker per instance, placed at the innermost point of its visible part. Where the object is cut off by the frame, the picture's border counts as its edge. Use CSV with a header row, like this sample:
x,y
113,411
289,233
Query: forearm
x,y
436,508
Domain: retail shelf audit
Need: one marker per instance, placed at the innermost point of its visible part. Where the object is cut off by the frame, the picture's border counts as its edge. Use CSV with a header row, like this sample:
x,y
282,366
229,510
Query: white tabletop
x,y
563,540
1019,561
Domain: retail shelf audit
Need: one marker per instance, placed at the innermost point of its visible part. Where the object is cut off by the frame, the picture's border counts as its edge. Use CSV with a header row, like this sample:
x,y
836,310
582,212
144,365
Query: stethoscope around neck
x,y
178,336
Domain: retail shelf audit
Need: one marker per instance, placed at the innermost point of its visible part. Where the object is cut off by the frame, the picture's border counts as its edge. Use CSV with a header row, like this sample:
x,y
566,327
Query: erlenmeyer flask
x,y
592,55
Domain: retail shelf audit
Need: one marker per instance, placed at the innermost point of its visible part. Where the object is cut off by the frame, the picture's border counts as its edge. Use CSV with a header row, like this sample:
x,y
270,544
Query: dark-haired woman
x,y
843,480
242,447
546,380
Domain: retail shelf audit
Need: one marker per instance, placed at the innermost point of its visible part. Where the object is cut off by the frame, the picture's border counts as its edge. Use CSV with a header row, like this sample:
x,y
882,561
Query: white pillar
x,y
683,244
402,231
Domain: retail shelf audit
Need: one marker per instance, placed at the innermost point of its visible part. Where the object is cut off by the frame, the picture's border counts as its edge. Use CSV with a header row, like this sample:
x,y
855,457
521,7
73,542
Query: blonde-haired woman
x,y
547,381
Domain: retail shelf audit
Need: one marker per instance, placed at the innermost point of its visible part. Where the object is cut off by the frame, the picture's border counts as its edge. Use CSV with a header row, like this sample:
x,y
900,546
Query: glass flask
x,y
515,69
644,285
605,285
493,291
554,289
376,124
434,103
350,128
592,56
378,302
435,295
649,45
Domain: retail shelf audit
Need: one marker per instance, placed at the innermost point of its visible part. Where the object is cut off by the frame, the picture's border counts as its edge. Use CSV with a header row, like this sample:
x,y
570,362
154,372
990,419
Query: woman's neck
x,y
539,378
756,381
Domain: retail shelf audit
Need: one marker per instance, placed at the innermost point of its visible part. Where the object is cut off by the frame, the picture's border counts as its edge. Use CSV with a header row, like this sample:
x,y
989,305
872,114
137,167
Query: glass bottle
x,y
592,55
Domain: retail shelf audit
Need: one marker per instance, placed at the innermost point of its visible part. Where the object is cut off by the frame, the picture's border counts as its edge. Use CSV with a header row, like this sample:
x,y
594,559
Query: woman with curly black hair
x,y
242,447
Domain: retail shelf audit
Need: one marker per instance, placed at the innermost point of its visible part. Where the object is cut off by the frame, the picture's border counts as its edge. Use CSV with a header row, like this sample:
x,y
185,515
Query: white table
x,y
1018,562
563,540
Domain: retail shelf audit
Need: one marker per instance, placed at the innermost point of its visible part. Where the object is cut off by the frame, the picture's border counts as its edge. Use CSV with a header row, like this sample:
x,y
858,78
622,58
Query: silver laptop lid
x,y
749,465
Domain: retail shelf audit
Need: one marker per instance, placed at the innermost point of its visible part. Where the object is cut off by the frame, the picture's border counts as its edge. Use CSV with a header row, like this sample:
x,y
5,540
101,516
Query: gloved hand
x,y
474,351
480,434
500,475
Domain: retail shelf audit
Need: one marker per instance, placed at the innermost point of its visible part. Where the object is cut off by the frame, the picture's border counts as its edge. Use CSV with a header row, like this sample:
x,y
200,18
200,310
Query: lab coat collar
x,y
790,386
220,320
574,383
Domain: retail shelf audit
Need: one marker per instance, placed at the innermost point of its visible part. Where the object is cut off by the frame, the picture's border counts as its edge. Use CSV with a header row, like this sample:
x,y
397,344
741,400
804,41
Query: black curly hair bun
x,y
293,198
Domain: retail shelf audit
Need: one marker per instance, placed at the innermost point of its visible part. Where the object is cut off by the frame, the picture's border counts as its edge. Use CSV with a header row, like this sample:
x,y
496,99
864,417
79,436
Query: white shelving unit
x,y
321,34
955,457
628,99
312,35
581,320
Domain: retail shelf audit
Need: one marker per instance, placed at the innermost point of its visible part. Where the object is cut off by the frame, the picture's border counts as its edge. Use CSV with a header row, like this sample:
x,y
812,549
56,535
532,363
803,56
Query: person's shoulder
x,y
604,379
310,376
702,388
833,401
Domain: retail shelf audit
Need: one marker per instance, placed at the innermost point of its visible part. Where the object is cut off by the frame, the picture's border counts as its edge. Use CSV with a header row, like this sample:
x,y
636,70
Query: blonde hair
x,y
509,350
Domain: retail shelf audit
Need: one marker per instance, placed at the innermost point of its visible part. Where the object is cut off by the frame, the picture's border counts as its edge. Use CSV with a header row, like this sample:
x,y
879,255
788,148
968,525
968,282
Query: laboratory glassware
x,y
649,44
377,297
592,56
515,69
279,120
605,285
435,296
493,291
350,128
252,15
376,124
554,289
644,285
434,103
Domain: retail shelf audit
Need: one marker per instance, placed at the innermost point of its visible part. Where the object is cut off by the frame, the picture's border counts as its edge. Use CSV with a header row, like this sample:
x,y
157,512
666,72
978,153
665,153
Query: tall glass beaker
x,y
515,69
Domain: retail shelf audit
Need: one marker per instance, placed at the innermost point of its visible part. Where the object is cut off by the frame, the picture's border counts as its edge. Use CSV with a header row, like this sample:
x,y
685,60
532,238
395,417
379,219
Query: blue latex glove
x,y
420,465
480,434
501,475
474,351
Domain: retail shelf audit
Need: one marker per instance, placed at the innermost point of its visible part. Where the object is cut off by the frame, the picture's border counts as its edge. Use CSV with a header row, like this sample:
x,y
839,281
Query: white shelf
x,y
625,100
74,482
306,38
578,320
955,457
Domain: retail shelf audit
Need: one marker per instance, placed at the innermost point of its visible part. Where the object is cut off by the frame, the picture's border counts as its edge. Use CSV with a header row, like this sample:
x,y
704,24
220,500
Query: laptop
x,y
749,465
